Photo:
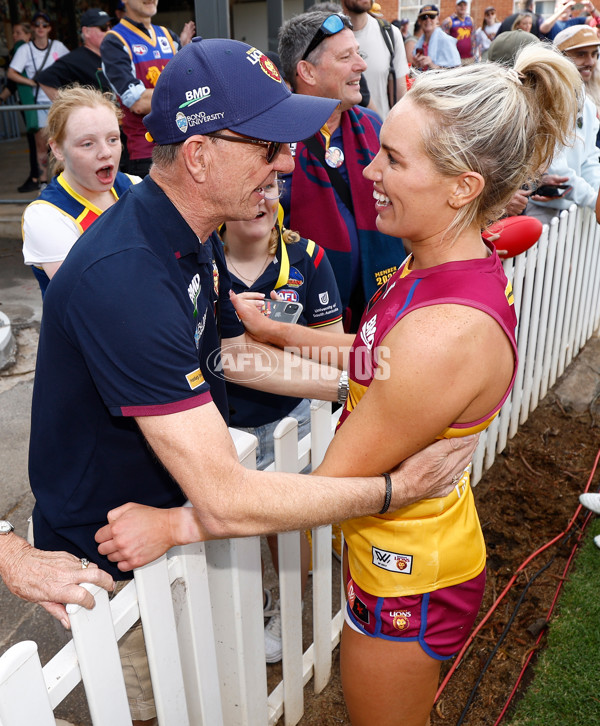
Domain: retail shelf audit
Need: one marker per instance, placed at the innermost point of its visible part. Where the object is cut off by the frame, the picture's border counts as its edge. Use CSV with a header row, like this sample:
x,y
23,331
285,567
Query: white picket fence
x,y
201,605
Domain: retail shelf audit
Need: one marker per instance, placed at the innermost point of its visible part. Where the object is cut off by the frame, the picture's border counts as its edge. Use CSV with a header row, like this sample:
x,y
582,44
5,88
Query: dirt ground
x,y
526,499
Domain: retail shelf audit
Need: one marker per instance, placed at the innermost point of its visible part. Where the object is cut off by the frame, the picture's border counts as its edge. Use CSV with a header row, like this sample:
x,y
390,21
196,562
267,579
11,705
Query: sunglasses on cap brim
x,y
330,26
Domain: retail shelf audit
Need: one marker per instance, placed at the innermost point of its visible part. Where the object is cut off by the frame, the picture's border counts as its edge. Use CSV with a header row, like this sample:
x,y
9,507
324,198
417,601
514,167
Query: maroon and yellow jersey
x,y
436,542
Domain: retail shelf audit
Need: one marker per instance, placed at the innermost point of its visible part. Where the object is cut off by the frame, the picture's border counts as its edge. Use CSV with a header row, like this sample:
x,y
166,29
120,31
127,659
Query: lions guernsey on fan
x,y
148,53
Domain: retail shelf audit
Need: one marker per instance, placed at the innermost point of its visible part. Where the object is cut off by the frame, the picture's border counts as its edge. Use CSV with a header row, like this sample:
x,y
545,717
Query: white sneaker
x,y
597,541
591,501
273,646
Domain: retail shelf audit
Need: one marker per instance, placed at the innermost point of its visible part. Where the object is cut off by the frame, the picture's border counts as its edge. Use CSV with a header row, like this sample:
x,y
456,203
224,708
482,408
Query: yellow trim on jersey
x,y
152,40
82,200
284,269
122,39
327,134
510,298
324,325
355,393
453,432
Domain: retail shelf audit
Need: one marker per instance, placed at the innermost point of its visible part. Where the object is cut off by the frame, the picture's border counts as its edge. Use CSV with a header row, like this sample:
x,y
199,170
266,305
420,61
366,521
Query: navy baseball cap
x,y
41,14
217,83
94,18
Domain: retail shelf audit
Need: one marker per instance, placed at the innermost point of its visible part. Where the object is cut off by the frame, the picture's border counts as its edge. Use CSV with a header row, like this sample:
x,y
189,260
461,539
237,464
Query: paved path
x,y
21,301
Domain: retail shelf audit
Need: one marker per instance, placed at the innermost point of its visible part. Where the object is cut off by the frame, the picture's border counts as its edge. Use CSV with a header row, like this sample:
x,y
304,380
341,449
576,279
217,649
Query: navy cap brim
x,y
295,118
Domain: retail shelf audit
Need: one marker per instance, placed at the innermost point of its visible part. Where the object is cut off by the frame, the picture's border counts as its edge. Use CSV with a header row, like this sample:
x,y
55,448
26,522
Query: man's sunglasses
x,y
428,16
104,28
41,25
330,26
273,147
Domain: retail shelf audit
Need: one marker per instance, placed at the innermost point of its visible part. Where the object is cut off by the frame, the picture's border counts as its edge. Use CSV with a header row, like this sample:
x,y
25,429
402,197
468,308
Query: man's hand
x,y
517,203
429,473
553,180
259,326
144,103
256,298
49,578
422,61
188,32
136,534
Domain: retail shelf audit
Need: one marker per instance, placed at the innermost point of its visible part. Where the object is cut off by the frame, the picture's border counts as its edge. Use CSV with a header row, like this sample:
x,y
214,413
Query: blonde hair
x,y
26,27
68,100
287,235
519,19
502,123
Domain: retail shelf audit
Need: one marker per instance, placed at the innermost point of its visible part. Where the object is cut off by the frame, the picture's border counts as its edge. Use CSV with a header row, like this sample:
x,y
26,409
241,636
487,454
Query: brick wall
x,y
389,8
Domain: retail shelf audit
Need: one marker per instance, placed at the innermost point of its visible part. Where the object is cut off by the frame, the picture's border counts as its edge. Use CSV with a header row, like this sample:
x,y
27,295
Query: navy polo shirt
x,y
130,328
300,272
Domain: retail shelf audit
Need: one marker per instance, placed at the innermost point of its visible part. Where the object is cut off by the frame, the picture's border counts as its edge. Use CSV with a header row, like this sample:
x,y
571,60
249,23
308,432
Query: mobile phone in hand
x,y
552,190
283,311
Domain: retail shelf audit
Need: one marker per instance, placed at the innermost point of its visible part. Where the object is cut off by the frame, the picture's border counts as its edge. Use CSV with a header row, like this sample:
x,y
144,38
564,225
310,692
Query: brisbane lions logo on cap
x,y
256,56
269,68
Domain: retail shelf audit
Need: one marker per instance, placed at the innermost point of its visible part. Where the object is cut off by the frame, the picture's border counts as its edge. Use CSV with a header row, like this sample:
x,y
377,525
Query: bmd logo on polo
x,y
198,94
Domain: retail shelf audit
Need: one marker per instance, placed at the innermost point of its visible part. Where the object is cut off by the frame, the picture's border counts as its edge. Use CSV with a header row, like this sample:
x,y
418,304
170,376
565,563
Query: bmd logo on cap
x,y
198,94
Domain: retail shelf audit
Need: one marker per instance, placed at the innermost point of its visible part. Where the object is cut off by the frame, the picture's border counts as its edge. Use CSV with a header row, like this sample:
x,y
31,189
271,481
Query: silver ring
x,y
85,563
456,478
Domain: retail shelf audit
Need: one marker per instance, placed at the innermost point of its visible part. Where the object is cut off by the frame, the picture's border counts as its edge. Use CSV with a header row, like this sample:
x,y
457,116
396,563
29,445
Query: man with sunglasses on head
x,y
81,65
326,198
129,412
134,53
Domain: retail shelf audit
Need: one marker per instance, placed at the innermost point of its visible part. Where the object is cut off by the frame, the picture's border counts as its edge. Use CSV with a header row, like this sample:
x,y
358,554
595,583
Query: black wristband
x,y
388,493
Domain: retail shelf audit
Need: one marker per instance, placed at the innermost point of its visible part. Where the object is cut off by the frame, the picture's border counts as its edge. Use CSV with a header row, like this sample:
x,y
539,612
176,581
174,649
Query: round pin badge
x,y
334,157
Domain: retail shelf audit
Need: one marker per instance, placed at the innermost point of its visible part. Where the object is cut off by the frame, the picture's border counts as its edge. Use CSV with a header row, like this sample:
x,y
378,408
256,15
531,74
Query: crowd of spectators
x,y
333,262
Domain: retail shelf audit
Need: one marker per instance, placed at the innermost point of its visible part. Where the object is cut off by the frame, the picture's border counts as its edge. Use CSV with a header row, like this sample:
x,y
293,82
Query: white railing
x,y
201,605
556,286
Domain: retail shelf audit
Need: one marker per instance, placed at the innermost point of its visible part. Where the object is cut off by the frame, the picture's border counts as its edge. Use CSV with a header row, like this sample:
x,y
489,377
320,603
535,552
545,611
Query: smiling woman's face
x,y
410,194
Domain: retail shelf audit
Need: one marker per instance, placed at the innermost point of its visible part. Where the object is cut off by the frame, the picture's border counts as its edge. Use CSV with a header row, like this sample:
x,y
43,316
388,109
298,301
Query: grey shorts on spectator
x,y
136,671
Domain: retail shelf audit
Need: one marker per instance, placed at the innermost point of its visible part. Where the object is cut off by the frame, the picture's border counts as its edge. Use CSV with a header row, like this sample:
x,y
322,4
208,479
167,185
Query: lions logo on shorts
x,y
400,619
